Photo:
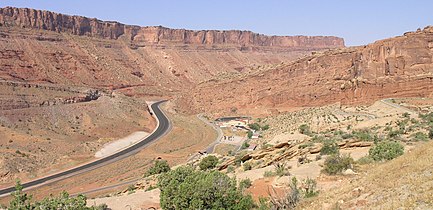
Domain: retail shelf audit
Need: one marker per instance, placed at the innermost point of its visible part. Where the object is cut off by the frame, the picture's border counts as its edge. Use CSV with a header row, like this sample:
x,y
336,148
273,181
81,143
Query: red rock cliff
x,y
77,25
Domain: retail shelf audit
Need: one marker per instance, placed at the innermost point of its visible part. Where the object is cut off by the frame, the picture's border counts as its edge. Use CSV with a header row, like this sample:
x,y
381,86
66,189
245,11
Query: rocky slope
x,y
46,47
77,25
395,67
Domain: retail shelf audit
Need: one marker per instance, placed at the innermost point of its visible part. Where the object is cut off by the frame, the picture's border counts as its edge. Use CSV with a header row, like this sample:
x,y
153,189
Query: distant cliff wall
x,y
78,25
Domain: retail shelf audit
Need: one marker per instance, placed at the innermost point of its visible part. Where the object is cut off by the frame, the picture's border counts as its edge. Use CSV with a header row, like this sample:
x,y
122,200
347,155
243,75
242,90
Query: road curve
x,y
162,128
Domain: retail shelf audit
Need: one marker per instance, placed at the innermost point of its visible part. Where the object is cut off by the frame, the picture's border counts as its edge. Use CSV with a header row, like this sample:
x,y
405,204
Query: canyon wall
x,y
395,67
77,25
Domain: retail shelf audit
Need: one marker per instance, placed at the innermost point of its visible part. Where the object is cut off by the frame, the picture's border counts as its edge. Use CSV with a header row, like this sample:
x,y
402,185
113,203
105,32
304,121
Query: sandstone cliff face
x,y
77,25
396,67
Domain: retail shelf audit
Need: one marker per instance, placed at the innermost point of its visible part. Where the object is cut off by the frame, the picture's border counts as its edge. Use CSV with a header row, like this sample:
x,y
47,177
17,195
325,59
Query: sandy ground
x,y
139,200
120,144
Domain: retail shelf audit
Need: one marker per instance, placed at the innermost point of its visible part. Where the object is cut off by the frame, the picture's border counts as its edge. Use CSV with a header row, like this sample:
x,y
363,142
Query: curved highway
x,y
162,128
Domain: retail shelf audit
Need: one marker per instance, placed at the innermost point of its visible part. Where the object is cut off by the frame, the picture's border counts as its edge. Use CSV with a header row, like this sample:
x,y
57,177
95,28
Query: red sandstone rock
x,y
77,25
395,67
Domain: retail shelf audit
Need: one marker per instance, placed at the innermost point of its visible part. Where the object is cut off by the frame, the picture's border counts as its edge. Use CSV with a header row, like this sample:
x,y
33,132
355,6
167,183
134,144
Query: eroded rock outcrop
x,y
395,67
78,25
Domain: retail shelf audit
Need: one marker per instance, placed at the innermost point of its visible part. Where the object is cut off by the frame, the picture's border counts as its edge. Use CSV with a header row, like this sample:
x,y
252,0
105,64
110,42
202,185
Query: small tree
x,y
208,162
20,200
250,134
335,164
185,188
245,184
254,126
329,148
386,150
309,188
160,166
430,133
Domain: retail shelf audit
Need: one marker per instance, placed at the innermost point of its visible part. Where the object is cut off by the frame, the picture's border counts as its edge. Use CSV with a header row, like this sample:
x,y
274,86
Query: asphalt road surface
x,y
163,127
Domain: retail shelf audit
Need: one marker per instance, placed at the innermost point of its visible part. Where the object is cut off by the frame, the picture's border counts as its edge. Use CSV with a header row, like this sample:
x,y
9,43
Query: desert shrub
x,y
265,145
280,170
230,169
304,129
21,201
185,188
309,188
335,164
254,126
250,134
363,135
269,174
346,136
386,150
290,198
238,158
318,138
151,187
420,136
209,162
430,133
131,189
247,166
365,160
305,145
245,184
160,166
263,204
265,127
329,148
394,133
428,118
245,145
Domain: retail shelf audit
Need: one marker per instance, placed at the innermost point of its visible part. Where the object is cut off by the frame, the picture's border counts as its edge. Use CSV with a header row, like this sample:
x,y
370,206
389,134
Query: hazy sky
x,y
358,22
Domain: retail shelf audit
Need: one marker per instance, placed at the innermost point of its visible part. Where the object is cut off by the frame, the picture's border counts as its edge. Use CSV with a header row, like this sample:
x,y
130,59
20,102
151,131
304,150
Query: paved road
x,y
162,128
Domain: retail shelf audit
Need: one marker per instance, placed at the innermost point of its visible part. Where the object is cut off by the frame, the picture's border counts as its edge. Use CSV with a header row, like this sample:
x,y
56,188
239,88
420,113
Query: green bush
x,y
280,170
160,166
329,148
230,169
265,127
394,133
254,126
335,164
247,166
250,134
365,160
185,188
22,201
304,129
245,184
309,188
209,162
363,135
386,150
245,145
269,174
420,136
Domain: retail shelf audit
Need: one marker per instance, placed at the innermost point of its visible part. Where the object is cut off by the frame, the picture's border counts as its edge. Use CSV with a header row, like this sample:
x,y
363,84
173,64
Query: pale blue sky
x,y
358,22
